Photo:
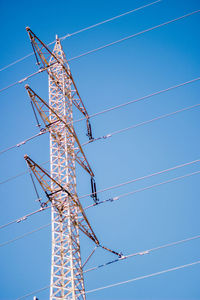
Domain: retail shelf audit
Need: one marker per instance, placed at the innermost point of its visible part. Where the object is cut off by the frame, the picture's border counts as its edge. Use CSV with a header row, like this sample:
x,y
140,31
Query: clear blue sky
x,y
134,68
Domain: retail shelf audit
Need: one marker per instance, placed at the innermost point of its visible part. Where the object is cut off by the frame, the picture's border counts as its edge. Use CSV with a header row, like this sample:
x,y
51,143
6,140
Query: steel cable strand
x,y
82,30
110,44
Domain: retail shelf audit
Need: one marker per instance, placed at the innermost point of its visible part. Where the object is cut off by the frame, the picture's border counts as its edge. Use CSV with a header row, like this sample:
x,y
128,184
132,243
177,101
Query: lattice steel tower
x,y
68,216
66,272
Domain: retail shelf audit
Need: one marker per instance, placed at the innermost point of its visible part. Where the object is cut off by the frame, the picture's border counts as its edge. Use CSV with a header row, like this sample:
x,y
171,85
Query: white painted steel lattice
x,y
66,271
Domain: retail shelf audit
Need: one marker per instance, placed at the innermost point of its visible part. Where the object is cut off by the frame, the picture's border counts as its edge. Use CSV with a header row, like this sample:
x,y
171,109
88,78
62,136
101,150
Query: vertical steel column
x,y
66,271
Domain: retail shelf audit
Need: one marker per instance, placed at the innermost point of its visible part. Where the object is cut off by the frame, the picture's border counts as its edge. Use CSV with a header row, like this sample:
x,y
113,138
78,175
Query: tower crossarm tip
x,y
43,110
45,181
48,60
41,175
38,103
38,46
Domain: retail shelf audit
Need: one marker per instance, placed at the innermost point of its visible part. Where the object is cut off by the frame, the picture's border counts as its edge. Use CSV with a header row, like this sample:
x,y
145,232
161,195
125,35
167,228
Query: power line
x,y
23,79
23,218
9,86
122,282
82,30
141,98
140,277
142,123
14,177
109,134
117,107
107,200
143,177
150,187
134,35
108,45
24,235
144,252
155,119
116,197
117,186
143,277
16,61
34,292
23,142
157,272
19,174
111,19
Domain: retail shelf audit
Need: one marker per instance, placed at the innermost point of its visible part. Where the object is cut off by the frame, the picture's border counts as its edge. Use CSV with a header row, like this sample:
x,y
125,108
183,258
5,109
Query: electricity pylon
x,y
68,216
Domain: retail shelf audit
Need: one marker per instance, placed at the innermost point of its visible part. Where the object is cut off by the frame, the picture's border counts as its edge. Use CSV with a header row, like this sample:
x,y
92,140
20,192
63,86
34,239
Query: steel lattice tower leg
x,y
66,271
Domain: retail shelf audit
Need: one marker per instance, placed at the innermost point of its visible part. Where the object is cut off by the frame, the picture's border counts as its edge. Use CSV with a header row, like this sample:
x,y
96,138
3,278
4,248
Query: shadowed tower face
x,y
66,271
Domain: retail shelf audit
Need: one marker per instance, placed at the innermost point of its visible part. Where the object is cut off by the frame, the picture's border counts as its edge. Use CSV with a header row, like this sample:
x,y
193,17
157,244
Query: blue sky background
x,y
134,68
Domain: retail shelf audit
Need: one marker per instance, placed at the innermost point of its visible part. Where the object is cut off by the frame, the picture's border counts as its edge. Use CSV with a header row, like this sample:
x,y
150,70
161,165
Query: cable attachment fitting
x,y
94,190
89,130
42,130
113,199
42,204
22,143
144,252
22,80
21,219
106,136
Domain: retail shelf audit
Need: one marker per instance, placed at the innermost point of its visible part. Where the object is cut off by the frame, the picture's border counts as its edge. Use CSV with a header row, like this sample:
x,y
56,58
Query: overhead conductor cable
x,y
82,30
110,44
110,199
122,282
45,130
